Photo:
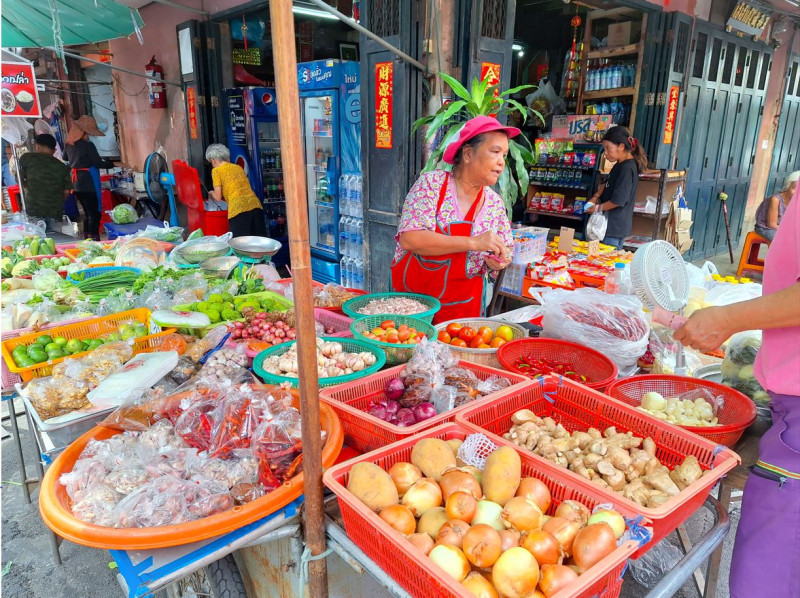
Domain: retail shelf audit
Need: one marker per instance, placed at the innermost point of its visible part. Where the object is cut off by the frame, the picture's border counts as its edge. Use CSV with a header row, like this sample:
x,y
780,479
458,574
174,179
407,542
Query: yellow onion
x,y
572,510
482,545
612,518
592,544
515,574
537,490
403,475
451,560
522,514
421,541
423,495
452,533
489,512
555,578
479,585
542,545
432,521
457,480
476,473
399,518
509,538
563,531
460,505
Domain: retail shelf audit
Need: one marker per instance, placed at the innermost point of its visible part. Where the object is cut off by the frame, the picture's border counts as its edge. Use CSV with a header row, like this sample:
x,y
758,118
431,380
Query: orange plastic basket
x,y
54,502
577,407
416,573
736,414
91,328
365,432
599,370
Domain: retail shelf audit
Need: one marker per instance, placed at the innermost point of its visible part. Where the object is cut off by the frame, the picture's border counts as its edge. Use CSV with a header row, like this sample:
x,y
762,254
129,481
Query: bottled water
x,y
343,236
343,266
358,203
351,273
351,237
358,282
344,208
359,242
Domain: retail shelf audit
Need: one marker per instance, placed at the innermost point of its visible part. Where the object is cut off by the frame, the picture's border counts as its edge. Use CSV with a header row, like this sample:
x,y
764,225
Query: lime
x,y
75,346
19,350
24,361
50,346
93,343
55,353
37,355
113,337
44,340
60,341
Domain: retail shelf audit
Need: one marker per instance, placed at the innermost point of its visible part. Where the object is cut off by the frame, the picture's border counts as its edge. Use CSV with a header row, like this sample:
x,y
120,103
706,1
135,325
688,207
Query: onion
x,y
452,533
399,518
479,586
488,512
522,514
555,578
476,473
432,521
456,480
543,546
460,505
404,475
612,518
572,510
423,495
510,538
394,389
515,574
378,410
451,560
405,417
482,545
592,544
424,411
421,541
392,407
537,490
563,531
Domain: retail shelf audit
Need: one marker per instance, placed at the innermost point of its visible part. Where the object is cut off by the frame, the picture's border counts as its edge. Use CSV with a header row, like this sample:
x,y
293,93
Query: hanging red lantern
x,y
576,21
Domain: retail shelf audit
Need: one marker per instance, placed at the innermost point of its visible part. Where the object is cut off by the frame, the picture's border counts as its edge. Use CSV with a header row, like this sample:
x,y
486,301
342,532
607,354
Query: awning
x,y
29,23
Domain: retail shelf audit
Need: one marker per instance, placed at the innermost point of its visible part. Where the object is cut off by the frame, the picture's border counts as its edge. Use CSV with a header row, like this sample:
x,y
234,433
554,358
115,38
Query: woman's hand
x,y
496,263
489,242
706,329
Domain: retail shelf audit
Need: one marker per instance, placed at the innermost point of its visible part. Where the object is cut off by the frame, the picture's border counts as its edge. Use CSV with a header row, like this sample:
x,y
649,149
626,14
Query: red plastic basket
x,y
737,413
599,370
416,573
577,407
331,319
365,432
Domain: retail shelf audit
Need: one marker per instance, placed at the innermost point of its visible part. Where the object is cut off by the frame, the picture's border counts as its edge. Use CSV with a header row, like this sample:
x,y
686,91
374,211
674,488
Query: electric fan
x,y
158,183
658,274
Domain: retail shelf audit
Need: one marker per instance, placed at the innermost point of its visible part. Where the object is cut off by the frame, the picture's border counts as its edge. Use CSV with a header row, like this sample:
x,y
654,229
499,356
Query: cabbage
x,y
124,214
47,280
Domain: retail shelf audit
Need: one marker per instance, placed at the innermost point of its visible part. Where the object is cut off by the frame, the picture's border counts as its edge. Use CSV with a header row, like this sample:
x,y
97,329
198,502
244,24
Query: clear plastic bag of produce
x,y
200,347
22,226
46,280
144,254
232,426
225,363
725,293
85,474
97,505
737,367
123,213
664,349
53,397
166,233
188,248
277,445
429,359
331,295
615,325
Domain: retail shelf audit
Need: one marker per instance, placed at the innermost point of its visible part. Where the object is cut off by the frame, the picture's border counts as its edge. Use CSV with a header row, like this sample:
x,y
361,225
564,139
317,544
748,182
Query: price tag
x,y
593,249
565,238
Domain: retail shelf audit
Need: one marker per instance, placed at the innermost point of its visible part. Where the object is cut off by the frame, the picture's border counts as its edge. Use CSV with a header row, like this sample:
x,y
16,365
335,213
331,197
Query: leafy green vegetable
x,y
124,214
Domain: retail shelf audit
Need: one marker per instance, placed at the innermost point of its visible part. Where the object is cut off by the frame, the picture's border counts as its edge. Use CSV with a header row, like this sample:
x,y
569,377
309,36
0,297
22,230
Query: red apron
x,y
444,276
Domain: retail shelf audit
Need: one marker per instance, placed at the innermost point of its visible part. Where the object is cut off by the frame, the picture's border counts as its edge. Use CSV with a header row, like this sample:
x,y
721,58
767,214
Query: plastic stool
x,y
750,260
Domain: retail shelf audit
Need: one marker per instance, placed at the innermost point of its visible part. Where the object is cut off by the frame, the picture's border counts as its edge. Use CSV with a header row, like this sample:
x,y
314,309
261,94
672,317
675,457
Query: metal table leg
x,y
701,551
712,576
12,416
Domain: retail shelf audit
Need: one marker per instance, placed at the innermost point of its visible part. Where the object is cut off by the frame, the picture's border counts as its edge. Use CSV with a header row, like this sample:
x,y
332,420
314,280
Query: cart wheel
x,y
220,579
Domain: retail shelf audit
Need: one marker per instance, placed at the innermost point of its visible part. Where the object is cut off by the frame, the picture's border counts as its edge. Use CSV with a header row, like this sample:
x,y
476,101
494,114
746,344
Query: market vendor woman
x,y
454,227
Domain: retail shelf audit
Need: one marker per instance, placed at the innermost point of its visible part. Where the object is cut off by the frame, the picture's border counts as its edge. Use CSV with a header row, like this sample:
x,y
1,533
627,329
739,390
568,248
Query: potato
x,y
432,521
454,444
501,475
433,457
372,486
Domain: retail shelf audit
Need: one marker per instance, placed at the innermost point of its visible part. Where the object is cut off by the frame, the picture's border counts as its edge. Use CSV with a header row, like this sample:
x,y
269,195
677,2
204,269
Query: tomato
x,y
476,341
457,342
378,331
392,337
484,346
505,333
444,337
466,334
497,342
403,327
486,334
403,335
452,329
386,324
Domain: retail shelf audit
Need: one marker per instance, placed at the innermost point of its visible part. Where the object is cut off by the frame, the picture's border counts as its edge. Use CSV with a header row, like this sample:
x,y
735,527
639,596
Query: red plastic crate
x,y
737,413
416,573
577,407
365,432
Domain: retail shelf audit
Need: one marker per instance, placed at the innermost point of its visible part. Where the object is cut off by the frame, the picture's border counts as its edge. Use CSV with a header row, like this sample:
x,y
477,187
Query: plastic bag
x,y
144,254
97,505
615,325
137,375
183,255
596,226
86,473
737,367
167,234
665,349
276,443
724,293
123,213
331,295
22,226
655,564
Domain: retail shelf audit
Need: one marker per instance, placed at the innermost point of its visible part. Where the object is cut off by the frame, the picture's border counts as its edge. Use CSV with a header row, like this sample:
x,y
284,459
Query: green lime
x,y
37,356
75,346
19,350
60,341
55,353
44,340
24,361
50,346
93,343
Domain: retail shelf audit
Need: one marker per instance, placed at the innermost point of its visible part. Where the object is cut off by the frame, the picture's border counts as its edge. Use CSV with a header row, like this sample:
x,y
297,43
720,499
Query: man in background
x,y
45,181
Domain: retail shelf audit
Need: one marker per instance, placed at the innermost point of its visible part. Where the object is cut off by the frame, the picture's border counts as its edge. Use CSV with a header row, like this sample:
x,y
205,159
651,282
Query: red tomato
x,y
505,333
392,337
497,342
444,337
452,329
466,334
476,340
457,342
403,335
386,324
484,346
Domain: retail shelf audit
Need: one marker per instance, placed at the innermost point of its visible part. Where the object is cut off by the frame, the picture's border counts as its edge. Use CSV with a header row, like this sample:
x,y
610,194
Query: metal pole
x,y
380,41
116,68
285,60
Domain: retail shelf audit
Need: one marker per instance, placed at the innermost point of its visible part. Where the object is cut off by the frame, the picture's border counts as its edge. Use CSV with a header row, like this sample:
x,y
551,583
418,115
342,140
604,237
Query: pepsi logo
x,y
267,98
240,161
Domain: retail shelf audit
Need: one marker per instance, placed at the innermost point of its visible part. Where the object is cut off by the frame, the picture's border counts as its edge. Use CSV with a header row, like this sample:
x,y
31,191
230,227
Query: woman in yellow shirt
x,y
245,212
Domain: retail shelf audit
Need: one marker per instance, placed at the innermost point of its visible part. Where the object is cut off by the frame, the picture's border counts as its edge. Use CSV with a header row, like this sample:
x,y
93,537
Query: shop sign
x,y
672,112
20,96
236,120
384,87
191,101
580,127
748,18
490,72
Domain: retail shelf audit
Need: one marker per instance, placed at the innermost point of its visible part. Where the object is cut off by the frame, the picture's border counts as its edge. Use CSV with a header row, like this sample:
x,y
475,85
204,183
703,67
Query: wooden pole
x,y
289,125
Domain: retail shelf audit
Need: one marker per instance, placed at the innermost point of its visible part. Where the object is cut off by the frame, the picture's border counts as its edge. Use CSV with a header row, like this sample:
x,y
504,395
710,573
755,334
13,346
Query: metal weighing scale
x,y
248,251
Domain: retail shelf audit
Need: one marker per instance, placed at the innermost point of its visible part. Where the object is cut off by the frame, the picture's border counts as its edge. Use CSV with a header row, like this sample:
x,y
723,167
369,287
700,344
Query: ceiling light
x,y
313,12
521,53
518,47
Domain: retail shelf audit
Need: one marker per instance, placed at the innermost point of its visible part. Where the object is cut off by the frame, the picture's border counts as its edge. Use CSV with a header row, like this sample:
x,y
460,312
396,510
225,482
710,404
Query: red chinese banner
x,y
490,72
191,102
384,87
19,96
672,112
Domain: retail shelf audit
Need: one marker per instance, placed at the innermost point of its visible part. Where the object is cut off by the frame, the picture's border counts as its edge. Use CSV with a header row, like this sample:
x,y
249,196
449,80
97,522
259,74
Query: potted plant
x,y
482,100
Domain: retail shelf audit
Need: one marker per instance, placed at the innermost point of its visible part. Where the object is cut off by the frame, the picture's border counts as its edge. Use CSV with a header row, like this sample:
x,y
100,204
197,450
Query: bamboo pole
x,y
289,125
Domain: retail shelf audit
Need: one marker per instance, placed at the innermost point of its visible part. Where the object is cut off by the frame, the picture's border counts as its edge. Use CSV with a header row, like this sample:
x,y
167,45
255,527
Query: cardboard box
x,y
619,34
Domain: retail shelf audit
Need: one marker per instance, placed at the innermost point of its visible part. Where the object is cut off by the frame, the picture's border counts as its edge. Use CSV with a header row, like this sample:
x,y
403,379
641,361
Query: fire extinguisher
x,y
155,74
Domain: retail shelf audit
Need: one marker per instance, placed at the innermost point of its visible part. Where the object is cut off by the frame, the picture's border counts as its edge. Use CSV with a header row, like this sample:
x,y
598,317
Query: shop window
x,y
740,66
700,55
797,91
792,78
384,17
679,65
751,75
727,69
716,50
493,21
766,59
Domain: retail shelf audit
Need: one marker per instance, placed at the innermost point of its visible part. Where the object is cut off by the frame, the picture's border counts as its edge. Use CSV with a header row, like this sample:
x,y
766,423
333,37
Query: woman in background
x,y
770,212
245,212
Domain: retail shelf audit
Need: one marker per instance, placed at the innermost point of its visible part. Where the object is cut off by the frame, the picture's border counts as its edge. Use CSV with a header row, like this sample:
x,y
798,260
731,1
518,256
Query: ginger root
x,y
686,473
662,482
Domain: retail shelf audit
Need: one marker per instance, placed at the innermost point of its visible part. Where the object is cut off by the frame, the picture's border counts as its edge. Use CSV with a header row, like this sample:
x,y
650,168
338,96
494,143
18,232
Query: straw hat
x,y
85,124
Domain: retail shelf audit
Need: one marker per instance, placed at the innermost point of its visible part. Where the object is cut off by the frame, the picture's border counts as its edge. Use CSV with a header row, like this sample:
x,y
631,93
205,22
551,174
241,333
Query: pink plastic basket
x,y
331,319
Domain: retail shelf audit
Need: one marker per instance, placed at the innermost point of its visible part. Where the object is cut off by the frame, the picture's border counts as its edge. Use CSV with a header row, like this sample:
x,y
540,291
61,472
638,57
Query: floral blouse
x,y
419,213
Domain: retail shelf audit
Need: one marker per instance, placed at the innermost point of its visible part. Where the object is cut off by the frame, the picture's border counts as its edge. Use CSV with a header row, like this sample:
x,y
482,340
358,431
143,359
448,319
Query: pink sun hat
x,y
473,128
